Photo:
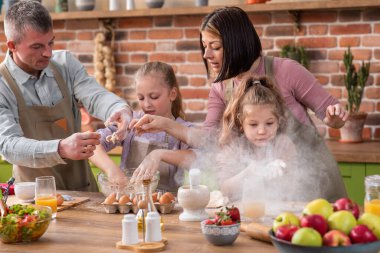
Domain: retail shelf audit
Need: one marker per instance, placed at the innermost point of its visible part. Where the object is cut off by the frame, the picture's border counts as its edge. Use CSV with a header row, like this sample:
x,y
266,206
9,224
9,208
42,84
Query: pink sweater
x,y
299,88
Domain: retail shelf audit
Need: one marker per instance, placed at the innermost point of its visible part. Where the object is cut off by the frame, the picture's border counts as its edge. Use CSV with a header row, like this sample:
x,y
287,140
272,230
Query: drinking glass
x,y
46,193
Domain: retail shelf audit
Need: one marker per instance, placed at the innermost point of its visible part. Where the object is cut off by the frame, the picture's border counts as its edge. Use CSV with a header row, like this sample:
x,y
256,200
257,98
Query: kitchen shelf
x,y
266,7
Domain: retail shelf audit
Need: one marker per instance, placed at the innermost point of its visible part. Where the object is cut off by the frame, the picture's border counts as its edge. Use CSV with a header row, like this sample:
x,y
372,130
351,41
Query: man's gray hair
x,y
25,15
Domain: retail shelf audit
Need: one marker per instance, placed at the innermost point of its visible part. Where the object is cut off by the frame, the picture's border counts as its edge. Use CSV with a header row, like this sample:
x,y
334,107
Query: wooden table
x,y
87,228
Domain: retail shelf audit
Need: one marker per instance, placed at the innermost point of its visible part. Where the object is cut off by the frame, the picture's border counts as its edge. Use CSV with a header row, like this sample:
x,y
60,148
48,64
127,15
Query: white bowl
x,y
25,191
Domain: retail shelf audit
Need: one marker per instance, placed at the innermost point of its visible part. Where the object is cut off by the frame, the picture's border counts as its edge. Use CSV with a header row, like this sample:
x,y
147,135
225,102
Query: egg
x,y
124,199
155,197
110,199
59,199
165,199
170,196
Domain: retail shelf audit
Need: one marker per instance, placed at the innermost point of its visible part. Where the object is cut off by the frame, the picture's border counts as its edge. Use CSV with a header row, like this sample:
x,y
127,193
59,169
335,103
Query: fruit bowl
x,y
107,187
24,223
287,247
220,235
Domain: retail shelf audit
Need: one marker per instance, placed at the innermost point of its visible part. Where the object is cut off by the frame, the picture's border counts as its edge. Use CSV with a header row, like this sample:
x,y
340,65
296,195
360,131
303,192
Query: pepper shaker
x,y
130,233
153,228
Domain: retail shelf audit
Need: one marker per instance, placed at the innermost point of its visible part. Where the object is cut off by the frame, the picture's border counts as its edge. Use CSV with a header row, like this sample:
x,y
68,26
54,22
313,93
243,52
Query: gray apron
x,y
318,175
48,123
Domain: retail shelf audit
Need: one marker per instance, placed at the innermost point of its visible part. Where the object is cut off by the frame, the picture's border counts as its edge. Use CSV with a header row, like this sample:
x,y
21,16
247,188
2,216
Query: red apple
x,y
315,221
336,238
362,234
286,232
347,204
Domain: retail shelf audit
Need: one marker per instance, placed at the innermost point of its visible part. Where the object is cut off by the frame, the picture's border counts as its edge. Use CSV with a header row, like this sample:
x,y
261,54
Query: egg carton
x,y
114,208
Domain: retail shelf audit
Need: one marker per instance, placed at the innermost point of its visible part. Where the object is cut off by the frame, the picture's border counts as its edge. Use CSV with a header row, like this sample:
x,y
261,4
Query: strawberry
x,y
209,222
226,222
234,213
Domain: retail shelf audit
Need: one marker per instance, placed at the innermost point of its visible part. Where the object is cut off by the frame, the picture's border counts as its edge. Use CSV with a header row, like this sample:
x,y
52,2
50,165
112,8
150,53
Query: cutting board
x,y
256,231
76,201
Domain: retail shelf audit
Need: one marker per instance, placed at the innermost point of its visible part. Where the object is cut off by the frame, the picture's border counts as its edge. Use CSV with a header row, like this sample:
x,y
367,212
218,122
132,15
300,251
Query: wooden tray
x,y
144,246
76,201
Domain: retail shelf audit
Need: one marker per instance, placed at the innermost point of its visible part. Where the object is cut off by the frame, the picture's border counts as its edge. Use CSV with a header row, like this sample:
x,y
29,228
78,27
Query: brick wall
x,y
174,39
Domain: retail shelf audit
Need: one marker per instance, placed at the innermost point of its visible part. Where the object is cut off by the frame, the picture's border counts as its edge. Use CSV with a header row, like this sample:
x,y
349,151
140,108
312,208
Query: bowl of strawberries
x,y
224,228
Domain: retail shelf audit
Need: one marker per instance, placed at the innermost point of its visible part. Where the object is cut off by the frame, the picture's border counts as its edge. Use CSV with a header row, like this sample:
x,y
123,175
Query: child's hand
x,y
336,116
275,169
148,167
149,124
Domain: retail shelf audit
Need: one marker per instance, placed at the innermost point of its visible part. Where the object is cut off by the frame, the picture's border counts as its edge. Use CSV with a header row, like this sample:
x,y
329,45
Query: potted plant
x,y
355,82
296,53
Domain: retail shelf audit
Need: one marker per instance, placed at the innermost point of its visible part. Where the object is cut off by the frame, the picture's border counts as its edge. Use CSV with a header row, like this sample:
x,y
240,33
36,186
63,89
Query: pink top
x,y
299,88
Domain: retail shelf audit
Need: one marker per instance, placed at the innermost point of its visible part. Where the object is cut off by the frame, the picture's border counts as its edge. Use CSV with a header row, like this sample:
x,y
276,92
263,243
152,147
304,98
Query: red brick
x,y
57,24
60,46
319,16
260,18
121,58
338,80
194,57
283,42
267,44
324,42
187,21
371,41
322,79
82,24
167,57
274,31
182,80
334,133
318,29
349,42
335,92
64,36
349,15
367,106
317,55
192,33
85,36
196,105
377,81
377,28
2,37
376,134
165,46
135,22
81,46
163,21
371,14
164,34
282,17
350,29
139,58
187,45
324,67
137,35
375,67
259,30
378,106
367,133
137,47
193,69
372,92
195,93
198,81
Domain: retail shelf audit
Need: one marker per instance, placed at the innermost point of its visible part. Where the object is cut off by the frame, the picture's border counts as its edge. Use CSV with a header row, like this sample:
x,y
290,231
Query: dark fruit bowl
x,y
220,235
286,247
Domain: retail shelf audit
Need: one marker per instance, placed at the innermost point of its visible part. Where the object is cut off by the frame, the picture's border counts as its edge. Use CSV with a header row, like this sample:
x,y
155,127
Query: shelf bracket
x,y
296,16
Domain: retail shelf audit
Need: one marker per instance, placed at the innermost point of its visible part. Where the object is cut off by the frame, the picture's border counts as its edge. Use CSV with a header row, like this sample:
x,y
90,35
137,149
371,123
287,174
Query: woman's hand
x,y
148,166
149,124
336,116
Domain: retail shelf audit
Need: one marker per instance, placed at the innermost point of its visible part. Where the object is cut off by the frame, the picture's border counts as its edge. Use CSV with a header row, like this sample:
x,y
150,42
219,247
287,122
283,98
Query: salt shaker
x,y
130,4
114,5
153,228
130,234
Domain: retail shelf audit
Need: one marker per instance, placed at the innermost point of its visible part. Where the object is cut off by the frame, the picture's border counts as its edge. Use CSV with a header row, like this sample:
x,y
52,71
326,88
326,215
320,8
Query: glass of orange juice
x,y
46,193
372,195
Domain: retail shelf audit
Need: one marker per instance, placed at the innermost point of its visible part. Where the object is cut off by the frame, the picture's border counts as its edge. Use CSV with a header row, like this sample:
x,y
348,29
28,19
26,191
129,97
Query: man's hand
x,y
78,146
121,118
336,116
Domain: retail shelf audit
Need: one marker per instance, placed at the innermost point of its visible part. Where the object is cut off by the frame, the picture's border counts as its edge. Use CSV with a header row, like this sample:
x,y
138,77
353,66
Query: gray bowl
x,y
287,247
154,3
220,235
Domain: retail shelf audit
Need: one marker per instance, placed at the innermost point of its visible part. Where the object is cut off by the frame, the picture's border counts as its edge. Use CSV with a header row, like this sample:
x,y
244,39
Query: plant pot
x,y
256,1
352,131
85,5
154,3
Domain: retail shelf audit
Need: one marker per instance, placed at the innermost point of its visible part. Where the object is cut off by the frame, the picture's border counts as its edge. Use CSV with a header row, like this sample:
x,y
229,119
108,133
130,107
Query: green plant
x,y
354,81
297,53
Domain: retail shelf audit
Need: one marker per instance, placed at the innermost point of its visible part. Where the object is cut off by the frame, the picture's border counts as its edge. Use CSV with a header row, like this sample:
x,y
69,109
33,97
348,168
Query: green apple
x,y
307,237
372,221
342,220
318,206
285,218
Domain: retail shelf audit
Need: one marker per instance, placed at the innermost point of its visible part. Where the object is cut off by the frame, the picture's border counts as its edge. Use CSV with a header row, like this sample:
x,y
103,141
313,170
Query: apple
x,y
362,234
307,237
347,204
285,218
372,221
286,232
342,220
318,206
315,221
336,238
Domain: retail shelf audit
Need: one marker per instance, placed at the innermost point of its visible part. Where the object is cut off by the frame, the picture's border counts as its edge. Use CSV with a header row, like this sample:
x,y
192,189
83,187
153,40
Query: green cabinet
x,y
353,176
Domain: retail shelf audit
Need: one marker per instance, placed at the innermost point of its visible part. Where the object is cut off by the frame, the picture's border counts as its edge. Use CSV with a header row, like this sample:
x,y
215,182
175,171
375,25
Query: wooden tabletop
x,y
87,228
364,152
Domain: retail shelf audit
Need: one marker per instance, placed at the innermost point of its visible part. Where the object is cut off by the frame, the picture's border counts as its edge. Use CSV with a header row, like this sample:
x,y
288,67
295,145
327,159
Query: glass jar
x,y
146,205
372,194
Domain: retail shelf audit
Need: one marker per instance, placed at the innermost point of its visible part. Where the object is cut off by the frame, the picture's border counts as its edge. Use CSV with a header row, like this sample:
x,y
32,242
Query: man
x,y
39,94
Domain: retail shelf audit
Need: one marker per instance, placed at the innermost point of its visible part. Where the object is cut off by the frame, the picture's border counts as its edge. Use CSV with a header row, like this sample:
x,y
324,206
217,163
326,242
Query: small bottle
x,y
372,194
130,233
114,5
153,228
130,4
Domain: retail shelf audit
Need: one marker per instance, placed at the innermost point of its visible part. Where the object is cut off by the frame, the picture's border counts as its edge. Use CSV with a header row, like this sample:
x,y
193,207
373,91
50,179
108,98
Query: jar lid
x,y
373,180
